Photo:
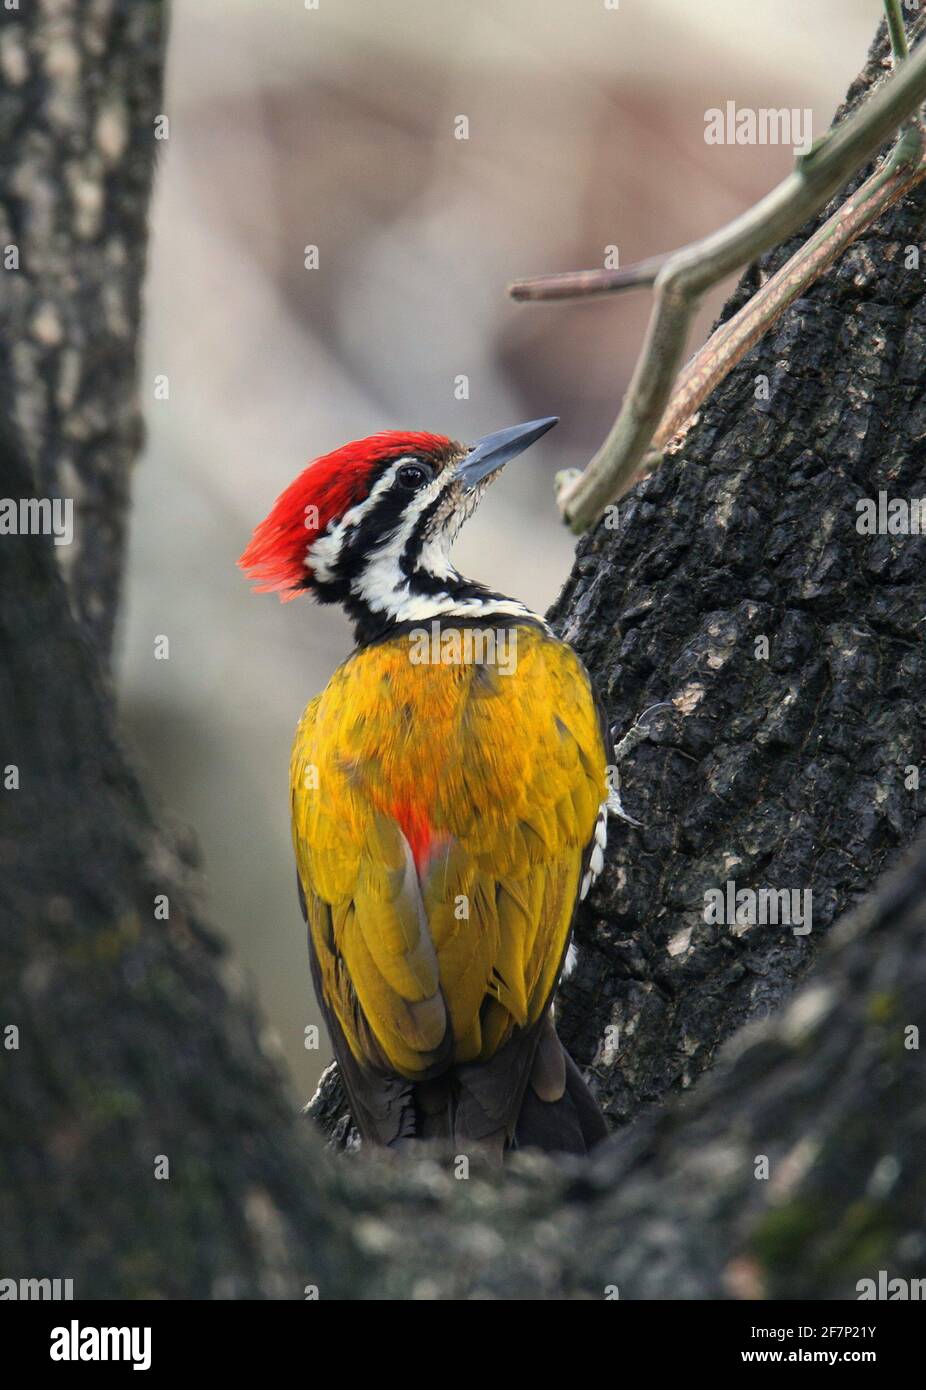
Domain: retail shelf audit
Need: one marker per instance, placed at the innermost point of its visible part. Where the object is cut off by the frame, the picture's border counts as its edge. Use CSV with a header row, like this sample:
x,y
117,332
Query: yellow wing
x,y
441,819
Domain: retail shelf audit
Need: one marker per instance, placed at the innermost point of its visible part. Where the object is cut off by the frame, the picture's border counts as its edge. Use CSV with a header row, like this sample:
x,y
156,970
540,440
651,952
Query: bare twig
x,y
686,274
896,30
584,284
729,344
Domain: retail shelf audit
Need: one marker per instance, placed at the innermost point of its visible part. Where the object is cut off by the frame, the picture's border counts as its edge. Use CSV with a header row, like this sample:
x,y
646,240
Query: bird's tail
x,y
530,1095
571,1123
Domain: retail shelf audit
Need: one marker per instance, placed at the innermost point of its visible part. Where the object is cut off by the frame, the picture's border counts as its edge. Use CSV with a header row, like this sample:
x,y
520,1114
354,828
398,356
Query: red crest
x,y
277,556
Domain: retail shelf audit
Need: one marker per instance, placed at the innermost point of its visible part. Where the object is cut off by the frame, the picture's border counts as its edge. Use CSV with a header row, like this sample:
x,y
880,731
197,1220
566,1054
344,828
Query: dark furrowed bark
x,y
737,587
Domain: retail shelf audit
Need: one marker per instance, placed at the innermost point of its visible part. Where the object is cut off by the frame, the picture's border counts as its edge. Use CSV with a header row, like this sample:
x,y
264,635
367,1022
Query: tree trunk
x,y
148,1146
79,95
791,648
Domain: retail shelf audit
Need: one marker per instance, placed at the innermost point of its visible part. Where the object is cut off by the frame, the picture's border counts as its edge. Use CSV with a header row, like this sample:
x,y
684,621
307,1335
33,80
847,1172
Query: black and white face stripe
x,y
388,558
391,522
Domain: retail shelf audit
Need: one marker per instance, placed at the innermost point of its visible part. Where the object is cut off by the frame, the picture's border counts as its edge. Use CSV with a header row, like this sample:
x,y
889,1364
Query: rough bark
x,y
80,90
793,771
124,1043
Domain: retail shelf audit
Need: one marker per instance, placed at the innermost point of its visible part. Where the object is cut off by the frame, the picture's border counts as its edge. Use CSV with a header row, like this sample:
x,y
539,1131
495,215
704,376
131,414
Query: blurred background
x,y
337,128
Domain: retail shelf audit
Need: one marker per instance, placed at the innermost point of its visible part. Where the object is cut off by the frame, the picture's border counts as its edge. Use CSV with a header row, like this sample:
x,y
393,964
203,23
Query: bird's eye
x,y
412,475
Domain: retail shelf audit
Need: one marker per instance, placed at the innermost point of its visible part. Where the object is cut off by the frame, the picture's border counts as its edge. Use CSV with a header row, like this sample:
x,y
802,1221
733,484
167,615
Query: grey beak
x,y
495,450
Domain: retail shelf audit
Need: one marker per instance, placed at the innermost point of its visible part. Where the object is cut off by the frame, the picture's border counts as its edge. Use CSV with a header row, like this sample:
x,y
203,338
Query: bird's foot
x,y
635,735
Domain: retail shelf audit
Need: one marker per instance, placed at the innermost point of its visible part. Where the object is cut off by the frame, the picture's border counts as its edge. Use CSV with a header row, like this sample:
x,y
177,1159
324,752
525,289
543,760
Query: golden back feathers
x,y
441,818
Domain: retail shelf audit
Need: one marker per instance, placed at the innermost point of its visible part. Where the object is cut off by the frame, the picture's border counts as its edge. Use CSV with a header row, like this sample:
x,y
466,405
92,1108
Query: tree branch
x,y
686,274
902,170
895,28
585,284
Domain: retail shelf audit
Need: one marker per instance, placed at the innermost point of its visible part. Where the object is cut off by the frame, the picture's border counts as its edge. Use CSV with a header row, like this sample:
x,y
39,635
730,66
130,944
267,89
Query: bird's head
x,y
371,525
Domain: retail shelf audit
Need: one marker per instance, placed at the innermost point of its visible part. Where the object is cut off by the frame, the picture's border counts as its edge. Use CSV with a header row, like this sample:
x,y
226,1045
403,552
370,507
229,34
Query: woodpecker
x,y
448,803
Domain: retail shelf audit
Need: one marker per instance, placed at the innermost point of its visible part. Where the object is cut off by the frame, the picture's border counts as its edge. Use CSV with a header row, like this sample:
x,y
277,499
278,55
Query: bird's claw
x,y
634,736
